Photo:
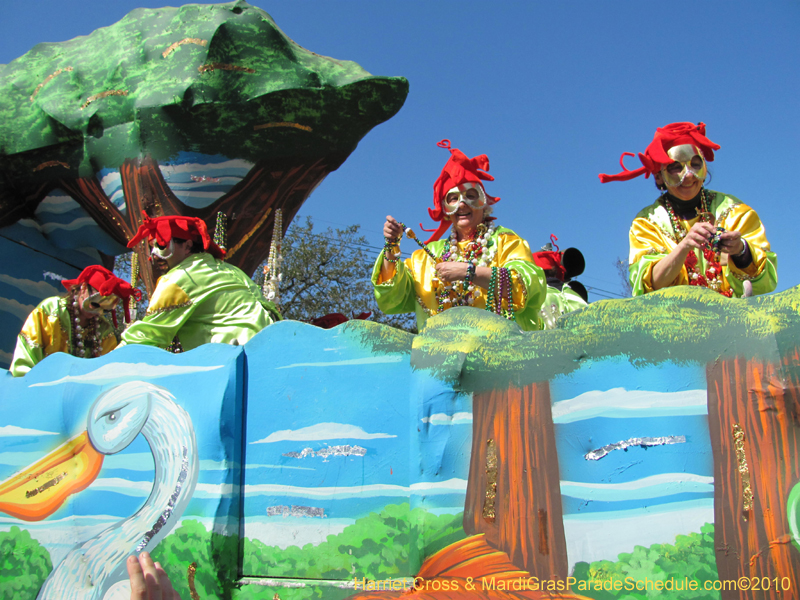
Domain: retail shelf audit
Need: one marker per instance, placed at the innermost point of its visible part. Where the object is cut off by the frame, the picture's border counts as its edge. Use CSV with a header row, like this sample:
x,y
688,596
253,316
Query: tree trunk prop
x,y
250,206
752,536
513,492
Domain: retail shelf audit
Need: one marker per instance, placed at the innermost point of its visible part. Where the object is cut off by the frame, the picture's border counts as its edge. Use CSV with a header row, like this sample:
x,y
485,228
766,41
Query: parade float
x,y
643,442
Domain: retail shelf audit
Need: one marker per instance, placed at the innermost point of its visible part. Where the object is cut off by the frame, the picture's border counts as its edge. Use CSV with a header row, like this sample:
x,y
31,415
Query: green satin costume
x,y
202,300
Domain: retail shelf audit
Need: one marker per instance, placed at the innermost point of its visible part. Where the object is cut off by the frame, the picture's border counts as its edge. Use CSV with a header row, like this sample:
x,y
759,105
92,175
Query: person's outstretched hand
x,y
149,581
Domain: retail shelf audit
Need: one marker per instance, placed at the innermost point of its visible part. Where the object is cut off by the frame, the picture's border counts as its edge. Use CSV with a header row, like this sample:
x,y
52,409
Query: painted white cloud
x,y
445,419
48,228
19,310
57,203
142,489
655,486
621,403
428,488
14,431
116,371
322,431
372,360
37,289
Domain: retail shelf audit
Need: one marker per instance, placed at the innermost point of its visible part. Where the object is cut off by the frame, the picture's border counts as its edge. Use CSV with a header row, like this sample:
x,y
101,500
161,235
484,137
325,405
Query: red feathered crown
x,y
655,157
163,229
108,284
459,169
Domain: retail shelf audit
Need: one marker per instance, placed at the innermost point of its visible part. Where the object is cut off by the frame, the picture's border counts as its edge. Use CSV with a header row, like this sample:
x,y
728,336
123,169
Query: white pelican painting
x,y
95,569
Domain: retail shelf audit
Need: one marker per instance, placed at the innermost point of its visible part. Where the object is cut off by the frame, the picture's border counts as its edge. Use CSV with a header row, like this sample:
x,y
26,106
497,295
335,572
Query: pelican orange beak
x,y
39,490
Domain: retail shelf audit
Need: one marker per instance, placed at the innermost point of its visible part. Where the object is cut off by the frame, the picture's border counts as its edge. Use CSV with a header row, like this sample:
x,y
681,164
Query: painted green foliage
x,y
377,546
690,558
233,72
681,324
24,567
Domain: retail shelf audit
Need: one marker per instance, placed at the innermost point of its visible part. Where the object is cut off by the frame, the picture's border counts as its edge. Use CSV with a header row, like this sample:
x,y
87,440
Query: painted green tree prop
x,y
752,362
211,79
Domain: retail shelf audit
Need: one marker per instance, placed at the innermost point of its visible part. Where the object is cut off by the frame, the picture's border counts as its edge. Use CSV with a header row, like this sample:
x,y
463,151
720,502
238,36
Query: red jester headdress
x,y
163,229
108,284
459,169
655,157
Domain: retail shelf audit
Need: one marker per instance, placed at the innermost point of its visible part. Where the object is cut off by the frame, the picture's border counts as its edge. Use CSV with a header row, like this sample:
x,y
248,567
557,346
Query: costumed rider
x,y
478,264
563,293
691,235
201,299
74,323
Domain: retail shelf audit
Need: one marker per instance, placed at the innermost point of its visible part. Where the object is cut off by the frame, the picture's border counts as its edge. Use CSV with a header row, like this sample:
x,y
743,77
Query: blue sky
x,y
552,92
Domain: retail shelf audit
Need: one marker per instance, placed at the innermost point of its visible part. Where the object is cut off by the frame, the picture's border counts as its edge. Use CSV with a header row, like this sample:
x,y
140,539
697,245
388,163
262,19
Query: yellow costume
x,y
652,238
47,330
411,287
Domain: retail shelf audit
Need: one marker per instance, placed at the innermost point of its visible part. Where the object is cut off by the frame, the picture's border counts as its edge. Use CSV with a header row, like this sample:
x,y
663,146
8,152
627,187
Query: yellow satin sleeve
x,y
410,287
167,296
651,239
44,331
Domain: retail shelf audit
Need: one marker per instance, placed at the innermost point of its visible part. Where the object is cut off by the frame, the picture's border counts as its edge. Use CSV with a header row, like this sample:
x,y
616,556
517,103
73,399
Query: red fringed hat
x,y
459,169
655,157
163,229
108,284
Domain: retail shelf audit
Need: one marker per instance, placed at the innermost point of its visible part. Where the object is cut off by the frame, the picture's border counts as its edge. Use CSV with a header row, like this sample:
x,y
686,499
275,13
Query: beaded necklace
x,y
712,278
82,340
479,251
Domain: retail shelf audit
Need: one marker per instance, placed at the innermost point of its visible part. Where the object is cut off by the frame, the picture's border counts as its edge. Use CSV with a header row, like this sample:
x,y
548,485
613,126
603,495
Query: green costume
x,y
412,289
559,302
48,330
202,300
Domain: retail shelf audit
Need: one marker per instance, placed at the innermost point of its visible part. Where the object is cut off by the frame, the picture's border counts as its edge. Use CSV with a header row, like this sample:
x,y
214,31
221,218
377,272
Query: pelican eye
x,y
112,416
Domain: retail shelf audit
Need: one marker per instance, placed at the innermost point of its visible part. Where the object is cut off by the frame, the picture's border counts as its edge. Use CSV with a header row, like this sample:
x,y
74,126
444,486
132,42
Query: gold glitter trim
x,y
175,45
102,95
491,481
427,310
249,234
167,308
743,276
516,280
50,163
282,124
208,67
47,80
744,471
190,573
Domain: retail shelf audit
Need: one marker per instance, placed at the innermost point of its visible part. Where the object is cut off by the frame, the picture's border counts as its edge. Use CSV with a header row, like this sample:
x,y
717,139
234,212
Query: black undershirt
x,y
685,209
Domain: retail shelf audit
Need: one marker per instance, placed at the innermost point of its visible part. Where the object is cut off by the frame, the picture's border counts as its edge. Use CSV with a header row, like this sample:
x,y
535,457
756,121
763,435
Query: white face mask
x,y
474,199
163,253
688,159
